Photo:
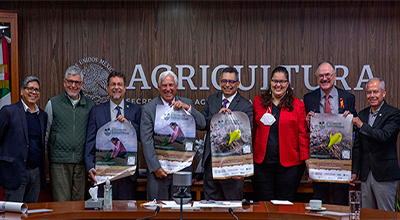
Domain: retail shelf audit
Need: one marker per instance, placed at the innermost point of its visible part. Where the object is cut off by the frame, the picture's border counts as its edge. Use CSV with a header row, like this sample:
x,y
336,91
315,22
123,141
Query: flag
x,y
5,94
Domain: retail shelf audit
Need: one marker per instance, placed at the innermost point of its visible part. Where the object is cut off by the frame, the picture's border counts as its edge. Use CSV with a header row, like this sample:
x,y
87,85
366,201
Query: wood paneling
x,y
55,35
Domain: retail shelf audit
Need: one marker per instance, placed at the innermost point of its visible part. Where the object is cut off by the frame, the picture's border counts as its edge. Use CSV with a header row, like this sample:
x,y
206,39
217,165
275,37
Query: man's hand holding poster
x,y
116,151
232,154
174,136
331,141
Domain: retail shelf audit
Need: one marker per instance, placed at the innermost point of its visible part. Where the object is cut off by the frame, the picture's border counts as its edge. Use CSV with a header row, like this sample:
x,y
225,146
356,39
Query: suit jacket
x,y
294,140
14,142
312,100
375,147
147,128
99,116
212,107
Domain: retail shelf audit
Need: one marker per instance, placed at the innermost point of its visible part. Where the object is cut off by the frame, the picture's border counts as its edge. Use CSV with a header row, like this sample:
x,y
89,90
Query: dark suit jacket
x,y
14,142
312,100
375,147
212,107
147,128
99,116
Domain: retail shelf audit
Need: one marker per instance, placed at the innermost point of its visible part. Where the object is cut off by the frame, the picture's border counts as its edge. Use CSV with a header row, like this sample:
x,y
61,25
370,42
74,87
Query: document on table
x,y
281,202
217,204
174,205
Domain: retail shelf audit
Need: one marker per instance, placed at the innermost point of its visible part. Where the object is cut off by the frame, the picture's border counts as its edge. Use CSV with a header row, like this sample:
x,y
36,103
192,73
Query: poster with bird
x,y
331,142
232,154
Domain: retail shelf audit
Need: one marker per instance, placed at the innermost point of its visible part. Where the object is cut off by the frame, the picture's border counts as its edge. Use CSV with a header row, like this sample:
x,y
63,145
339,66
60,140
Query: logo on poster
x,y
322,125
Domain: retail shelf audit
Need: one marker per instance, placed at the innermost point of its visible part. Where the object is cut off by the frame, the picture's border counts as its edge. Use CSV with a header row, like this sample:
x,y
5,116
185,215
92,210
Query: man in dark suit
x,y
159,182
331,100
375,151
223,102
115,109
22,133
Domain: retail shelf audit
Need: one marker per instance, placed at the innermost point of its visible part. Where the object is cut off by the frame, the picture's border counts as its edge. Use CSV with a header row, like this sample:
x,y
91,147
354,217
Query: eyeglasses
x,y
70,82
328,75
275,81
375,92
33,89
224,81
116,84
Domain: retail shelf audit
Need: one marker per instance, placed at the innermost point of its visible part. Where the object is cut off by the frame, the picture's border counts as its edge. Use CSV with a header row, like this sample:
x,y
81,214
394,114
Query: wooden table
x,y
132,210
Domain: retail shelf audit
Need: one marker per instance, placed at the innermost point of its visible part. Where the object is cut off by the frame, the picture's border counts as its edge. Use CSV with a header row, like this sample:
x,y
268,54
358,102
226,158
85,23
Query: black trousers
x,y
340,192
274,181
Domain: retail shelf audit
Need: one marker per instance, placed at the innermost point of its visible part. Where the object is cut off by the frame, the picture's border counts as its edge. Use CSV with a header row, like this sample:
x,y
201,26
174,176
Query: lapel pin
x,y
127,106
380,114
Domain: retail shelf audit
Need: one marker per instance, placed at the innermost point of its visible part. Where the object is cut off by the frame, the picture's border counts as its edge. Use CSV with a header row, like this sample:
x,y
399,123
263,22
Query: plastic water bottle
x,y
107,196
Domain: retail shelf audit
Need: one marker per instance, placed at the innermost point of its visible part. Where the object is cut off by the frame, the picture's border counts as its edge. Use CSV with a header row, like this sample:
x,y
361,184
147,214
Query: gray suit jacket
x,y
212,107
147,128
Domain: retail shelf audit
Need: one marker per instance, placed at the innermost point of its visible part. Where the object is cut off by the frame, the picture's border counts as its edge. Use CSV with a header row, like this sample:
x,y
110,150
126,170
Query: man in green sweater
x,y
68,114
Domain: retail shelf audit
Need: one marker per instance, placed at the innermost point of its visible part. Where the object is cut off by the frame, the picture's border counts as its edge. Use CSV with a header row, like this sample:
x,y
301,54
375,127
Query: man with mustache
x,y
115,109
226,101
22,132
68,114
375,151
159,182
329,99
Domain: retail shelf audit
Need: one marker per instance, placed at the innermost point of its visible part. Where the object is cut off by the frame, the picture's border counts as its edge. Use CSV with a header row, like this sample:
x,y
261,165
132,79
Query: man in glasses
x,y
68,115
329,99
226,101
22,134
375,151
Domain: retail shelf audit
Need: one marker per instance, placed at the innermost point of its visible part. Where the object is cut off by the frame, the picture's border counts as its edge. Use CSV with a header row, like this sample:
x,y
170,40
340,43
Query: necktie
x,y
327,105
225,102
119,111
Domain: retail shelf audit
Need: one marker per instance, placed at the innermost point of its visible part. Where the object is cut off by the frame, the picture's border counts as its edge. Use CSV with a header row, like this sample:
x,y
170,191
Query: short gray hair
x,y
381,83
73,70
165,74
328,62
29,79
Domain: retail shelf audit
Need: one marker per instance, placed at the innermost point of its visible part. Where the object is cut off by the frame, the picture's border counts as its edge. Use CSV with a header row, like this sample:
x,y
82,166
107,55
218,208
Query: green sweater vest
x,y
68,130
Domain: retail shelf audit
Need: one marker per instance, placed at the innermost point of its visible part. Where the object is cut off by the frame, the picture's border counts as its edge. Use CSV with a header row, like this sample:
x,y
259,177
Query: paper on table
x,y
218,204
281,202
39,210
173,205
334,213
13,207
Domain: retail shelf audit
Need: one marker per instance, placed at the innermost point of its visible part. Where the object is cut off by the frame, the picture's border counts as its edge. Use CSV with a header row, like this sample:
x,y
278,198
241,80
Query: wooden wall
x,y
54,35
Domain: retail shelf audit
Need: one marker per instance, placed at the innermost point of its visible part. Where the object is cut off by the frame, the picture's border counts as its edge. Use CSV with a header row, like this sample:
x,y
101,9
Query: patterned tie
x,y
225,102
119,111
327,105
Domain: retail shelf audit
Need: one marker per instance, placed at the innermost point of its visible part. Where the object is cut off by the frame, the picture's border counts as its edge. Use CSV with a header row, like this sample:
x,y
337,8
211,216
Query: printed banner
x,y
174,136
116,151
232,154
331,141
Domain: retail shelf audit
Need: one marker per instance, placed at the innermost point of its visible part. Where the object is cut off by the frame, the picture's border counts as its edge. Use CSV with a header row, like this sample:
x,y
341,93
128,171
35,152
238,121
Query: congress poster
x,y
116,151
331,141
232,154
174,136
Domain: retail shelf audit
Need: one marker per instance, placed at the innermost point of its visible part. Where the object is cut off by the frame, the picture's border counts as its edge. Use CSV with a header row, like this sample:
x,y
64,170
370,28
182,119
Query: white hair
x,y
165,74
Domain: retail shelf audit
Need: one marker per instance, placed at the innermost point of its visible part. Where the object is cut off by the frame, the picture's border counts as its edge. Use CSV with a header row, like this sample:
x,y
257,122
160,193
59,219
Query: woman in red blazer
x,y
280,140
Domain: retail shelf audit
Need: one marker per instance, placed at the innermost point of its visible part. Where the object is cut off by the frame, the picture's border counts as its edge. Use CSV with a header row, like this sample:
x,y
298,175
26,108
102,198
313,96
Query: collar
x,y
333,93
230,98
113,105
74,102
167,103
27,109
377,111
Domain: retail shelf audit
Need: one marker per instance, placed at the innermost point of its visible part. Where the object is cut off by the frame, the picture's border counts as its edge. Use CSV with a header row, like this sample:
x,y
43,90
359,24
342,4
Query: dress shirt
x,y
114,111
229,99
333,100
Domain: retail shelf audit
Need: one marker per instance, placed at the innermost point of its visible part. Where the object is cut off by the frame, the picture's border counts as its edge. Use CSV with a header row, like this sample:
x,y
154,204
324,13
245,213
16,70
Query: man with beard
x,y
226,101
115,109
159,182
68,114
329,99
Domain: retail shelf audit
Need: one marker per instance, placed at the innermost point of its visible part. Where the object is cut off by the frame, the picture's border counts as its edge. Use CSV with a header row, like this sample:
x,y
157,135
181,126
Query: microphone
x,y
149,217
231,211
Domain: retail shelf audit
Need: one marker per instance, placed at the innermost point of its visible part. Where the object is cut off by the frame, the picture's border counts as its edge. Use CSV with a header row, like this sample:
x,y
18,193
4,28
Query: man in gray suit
x,y
159,183
223,102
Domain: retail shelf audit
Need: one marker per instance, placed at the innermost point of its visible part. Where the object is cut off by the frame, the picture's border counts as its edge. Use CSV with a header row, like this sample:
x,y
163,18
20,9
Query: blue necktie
x,y
119,111
225,102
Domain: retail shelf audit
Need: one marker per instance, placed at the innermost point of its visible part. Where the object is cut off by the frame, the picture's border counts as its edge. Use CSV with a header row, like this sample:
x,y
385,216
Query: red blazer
x,y
294,139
